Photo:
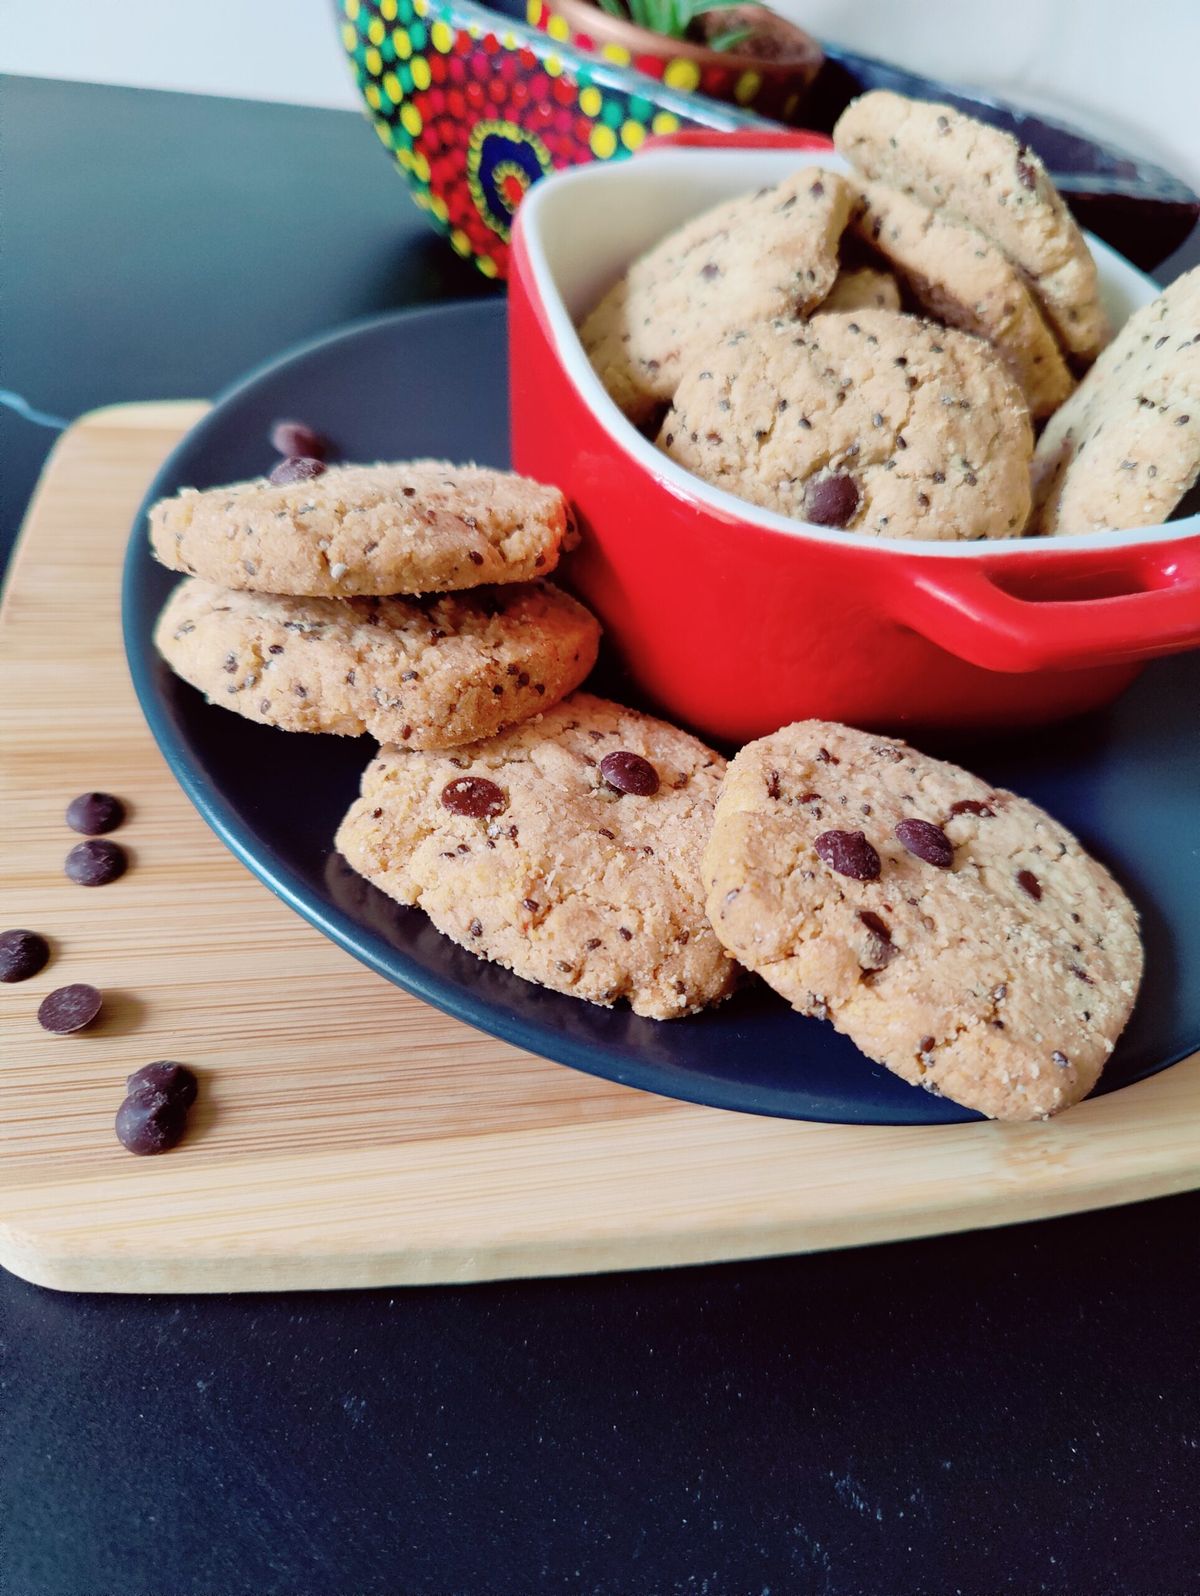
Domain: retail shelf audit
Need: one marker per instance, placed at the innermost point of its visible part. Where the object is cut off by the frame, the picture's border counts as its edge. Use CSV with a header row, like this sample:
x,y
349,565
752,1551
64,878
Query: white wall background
x,y
1129,71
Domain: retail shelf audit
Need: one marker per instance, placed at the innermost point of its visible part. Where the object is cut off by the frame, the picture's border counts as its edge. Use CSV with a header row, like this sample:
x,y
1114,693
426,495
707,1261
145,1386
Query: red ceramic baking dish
x,y
736,620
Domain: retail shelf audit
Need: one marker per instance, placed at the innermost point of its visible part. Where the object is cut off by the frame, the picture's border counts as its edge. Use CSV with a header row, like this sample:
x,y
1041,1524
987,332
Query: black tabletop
x,y
1012,1411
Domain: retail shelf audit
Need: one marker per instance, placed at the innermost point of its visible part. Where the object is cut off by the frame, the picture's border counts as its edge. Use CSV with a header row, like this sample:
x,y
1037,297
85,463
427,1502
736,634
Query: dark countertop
x,y
1012,1411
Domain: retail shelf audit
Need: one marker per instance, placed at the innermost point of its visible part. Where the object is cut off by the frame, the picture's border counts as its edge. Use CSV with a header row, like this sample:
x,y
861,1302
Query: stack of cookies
x,y
559,835
874,352
955,932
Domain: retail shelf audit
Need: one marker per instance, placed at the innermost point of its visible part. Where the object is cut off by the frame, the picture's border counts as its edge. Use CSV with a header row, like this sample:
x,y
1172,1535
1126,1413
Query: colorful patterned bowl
x,y
775,88
475,107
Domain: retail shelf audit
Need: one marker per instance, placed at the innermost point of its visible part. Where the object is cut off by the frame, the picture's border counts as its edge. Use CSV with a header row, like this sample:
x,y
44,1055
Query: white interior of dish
x,y
584,226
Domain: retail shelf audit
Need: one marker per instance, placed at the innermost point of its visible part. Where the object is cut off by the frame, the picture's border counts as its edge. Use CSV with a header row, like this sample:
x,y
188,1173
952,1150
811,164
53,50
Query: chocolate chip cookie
x,y
1125,448
876,422
965,281
773,253
567,850
971,172
427,673
956,933
420,527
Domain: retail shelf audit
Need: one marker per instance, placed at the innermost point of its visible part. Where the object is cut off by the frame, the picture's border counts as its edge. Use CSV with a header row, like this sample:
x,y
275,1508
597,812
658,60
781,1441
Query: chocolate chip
x,y
625,935
476,928
474,796
971,806
1026,171
95,863
831,500
22,955
880,950
172,1080
530,904
773,788
1029,883
849,853
816,189
630,773
927,841
297,468
294,439
94,813
69,1008
149,1121
827,758
1060,1059
709,271
926,1044
592,944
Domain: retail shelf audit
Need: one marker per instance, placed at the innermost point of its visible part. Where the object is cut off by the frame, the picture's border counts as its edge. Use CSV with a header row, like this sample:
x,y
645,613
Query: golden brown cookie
x,y
956,933
963,280
1125,447
567,850
423,526
773,253
428,673
971,172
874,422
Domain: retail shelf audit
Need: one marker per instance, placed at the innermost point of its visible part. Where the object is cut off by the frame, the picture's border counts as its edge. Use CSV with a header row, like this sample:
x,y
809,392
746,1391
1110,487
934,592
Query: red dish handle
x,y
962,609
738,138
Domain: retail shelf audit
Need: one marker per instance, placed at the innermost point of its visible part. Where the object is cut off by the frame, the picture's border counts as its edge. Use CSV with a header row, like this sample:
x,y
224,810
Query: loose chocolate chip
x,y
927,841
849,853
22,955
149,1121
69,1008
94,813
474,796
172,1080
1029,883
1060,1059
971,806
831,500
628,772
95,863
881,950
297,468
295,440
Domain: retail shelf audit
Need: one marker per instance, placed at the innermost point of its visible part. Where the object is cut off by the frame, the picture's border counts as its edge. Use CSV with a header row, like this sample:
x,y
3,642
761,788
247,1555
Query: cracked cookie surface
x,y
423,526
521,850
972,172
871,421
1125,447
981,954
962,279
428,673
772,253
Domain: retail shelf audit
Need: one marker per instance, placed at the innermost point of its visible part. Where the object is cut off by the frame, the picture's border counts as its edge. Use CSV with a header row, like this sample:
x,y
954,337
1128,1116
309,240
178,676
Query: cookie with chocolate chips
x,y
427,673
567,850
879,423
422,526
971,172
956,933
772,253
1125,447
963,280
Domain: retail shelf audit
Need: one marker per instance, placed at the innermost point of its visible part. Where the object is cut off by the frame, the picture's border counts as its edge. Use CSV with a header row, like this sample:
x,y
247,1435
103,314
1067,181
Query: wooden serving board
x,y
346,1133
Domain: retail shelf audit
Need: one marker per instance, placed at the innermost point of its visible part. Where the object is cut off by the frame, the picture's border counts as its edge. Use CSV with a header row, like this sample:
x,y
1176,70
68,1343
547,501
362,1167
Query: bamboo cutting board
x,y
347,1134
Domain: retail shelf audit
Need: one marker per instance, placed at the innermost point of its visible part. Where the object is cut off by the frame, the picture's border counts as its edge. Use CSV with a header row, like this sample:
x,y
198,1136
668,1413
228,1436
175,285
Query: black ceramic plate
x,y
433,382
